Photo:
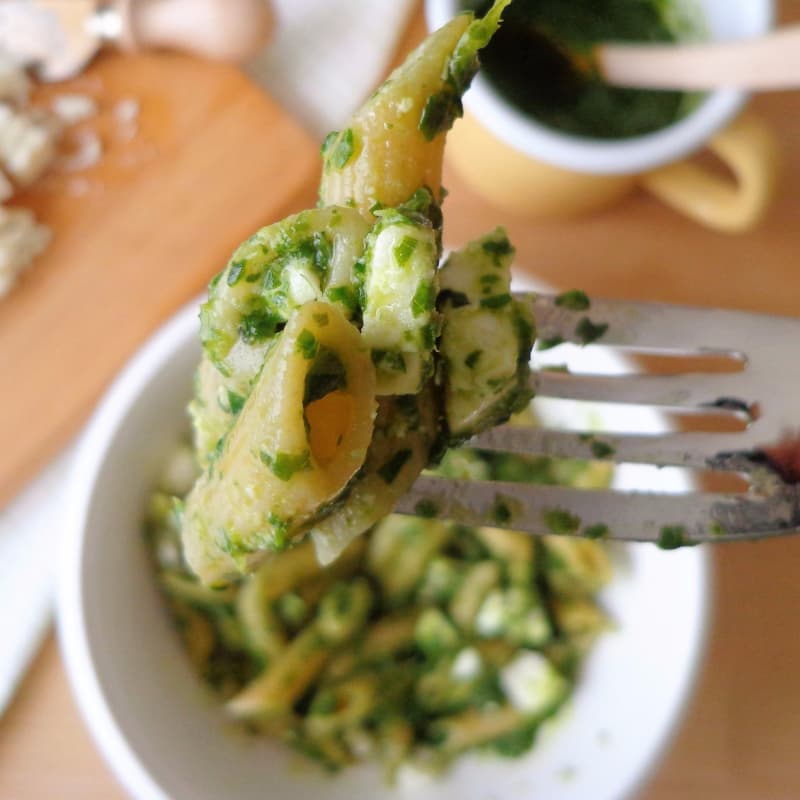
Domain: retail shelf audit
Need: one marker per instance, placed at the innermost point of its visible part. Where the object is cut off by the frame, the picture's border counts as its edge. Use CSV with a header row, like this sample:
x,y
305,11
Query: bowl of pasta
x,y
166,731
242,613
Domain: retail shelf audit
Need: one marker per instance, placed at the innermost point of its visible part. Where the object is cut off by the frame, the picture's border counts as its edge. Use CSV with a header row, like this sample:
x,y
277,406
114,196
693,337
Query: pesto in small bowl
x,y
527,63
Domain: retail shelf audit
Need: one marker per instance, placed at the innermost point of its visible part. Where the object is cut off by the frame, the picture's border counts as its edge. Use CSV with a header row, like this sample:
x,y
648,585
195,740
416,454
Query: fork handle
x,y
226,30
767,62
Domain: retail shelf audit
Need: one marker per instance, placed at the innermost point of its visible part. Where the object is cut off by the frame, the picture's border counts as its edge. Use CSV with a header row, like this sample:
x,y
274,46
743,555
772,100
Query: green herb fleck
x,y
426,508
588,331
427,336
346,295
404,250
496,301
321,319
285,465
388,361
501,511
258,325
326,375
548,343
716,529
602,449
560,521
390,470
423,299
671,537
498,247
339,151
325,702
328,142
307,344
235,272
441,110
599,531
280,532
574,300
235,402
472,359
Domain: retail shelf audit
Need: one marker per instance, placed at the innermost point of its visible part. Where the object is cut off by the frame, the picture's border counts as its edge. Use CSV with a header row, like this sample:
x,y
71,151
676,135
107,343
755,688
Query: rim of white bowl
x,y
73,636
107,733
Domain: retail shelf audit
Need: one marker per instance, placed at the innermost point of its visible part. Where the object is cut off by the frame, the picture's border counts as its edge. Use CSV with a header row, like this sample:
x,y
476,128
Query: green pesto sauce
x,y
525,62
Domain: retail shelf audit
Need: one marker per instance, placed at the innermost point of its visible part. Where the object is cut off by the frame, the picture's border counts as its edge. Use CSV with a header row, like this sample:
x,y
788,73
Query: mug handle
x,y
749,148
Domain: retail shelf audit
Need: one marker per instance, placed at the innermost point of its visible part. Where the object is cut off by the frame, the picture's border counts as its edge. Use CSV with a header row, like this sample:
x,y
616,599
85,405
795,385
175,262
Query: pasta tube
x,y
300,437
394,144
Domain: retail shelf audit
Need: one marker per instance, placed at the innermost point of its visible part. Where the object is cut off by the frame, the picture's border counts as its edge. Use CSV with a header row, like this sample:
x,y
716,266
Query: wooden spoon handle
x,y
228,30
765,63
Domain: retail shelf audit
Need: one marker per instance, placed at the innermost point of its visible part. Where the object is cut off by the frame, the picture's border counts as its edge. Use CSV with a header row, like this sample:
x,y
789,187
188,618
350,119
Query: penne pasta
x,y
300,437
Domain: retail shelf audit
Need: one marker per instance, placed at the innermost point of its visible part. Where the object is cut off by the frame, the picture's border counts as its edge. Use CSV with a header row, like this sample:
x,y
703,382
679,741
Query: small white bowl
x,y
161,731
724,19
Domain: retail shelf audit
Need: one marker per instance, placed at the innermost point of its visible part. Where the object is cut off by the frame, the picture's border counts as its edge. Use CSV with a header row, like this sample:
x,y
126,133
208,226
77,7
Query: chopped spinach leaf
x,y
285,465
496,301
235,272
339,150
256,326
588,331
423,299
389,361
235,402
404,250
390,470
326,375
599,531
671,537
307,344
560,521
574,300
472,359
602,449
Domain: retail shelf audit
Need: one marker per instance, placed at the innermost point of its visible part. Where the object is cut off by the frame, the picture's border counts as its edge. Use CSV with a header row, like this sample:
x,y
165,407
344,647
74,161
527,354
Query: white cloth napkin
x,y
326,57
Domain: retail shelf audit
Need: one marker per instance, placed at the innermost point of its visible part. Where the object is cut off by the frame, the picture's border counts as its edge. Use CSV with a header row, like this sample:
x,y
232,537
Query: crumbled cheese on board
x,y
27,146
14,83
73,108
22,238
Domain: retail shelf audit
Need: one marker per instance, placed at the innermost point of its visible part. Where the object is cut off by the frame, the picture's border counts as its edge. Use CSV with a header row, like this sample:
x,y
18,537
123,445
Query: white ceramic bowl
x,y
724,19
161,732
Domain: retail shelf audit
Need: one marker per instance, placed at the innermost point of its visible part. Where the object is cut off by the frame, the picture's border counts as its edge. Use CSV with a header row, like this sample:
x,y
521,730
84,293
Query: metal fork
x,y
727,382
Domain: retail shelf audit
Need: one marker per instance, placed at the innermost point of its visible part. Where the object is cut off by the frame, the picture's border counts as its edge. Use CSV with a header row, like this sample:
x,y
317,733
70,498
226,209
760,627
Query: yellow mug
x,y
522,165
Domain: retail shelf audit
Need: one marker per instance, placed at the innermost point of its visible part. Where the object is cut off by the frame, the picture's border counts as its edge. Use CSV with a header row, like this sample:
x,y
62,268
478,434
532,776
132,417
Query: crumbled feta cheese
x,y
14,83
126,111
74,108
27,146
126,115
515,614
21,240
532,684
534,628
467,664
491,615
86,154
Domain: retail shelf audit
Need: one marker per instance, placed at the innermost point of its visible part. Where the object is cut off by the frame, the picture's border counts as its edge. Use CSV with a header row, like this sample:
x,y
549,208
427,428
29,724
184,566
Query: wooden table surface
x,y
741,734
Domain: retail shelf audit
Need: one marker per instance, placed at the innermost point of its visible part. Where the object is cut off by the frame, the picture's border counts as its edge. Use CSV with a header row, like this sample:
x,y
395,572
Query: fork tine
x,y
662,326
686,391
637,516
693,450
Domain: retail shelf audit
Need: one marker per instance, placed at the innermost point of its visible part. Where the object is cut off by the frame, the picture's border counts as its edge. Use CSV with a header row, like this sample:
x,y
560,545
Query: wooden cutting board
x,y
195,158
